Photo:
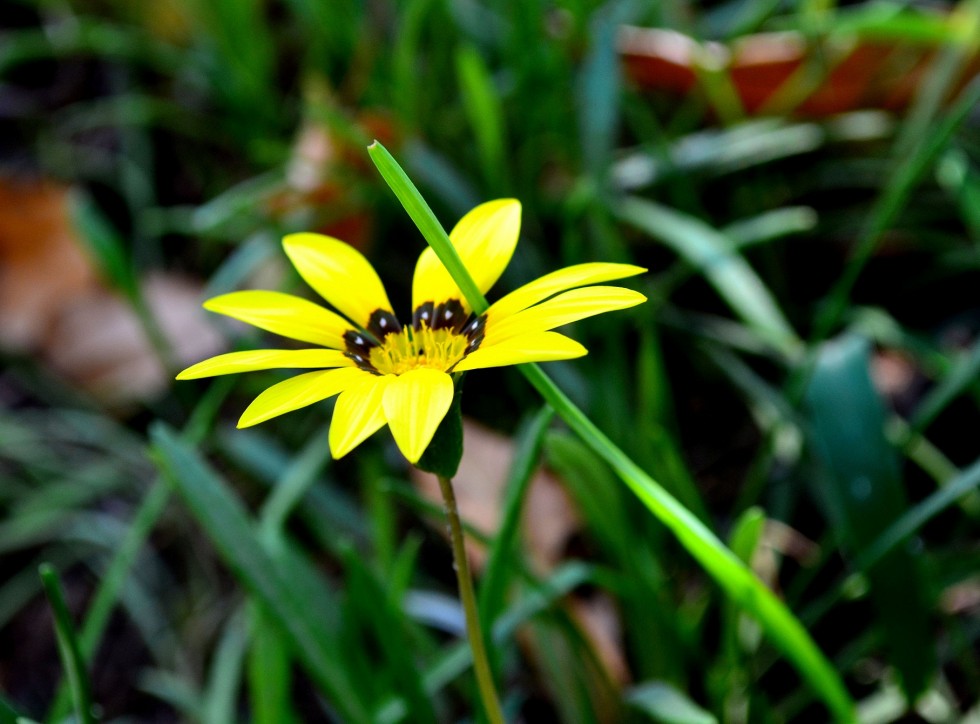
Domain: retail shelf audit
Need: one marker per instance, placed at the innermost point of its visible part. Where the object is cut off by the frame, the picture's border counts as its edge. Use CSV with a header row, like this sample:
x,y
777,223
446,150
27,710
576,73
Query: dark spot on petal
x,y
383,323
476,327
359,349
361,361
449,315
422,313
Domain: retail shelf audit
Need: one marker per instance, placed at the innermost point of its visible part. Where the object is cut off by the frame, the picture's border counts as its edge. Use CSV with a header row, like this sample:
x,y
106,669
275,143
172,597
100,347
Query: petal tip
x,y
338,450
190,373
214,303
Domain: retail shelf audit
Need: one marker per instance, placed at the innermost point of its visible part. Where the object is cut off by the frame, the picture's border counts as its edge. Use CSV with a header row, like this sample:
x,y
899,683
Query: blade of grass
x,y
81,36
651,426
328,513
405,56
918,515
177,691
109,251
458,658
107,594
224,680
961,180
294,484
481,102
427,223
714,254
498,568
739,636
8,715
71,658
372,602
963,374
910,169
727,570
663,703
269,674
939,78
631,549
143,522
598,90
282,583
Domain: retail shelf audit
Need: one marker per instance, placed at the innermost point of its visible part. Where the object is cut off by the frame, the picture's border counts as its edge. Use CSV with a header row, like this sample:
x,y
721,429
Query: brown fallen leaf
x,y
778,540
600,618
961,598
42,264
54,306
103,348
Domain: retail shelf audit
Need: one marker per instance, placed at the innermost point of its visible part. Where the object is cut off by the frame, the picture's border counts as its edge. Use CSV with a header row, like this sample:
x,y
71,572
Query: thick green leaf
x,y
862,494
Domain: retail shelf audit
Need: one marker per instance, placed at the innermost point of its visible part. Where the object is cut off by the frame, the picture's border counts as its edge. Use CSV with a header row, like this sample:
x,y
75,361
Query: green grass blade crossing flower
x,y
738,582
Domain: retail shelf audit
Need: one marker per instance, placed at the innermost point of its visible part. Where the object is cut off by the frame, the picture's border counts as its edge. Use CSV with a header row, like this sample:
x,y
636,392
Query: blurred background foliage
x,y
802,180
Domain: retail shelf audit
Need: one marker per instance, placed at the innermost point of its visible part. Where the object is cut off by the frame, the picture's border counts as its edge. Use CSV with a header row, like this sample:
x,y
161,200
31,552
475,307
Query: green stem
x,y
481,666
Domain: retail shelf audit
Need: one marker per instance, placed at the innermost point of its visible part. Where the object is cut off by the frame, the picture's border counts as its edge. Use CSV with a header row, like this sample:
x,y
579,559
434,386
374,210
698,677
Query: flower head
x,y
386,372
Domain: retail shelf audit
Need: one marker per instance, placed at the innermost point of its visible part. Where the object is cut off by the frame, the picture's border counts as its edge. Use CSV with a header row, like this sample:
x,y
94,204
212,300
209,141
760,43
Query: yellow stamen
x,y
438,349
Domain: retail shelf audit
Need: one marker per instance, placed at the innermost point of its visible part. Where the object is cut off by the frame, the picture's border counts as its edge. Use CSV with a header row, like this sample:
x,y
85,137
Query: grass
x,y
772,460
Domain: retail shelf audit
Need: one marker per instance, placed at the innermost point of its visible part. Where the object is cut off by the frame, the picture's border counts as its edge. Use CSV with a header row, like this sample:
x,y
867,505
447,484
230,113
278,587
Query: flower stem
x,y
481,666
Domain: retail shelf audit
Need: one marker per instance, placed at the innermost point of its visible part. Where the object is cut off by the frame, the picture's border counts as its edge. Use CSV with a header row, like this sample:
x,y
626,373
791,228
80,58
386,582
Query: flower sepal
x,y
446,449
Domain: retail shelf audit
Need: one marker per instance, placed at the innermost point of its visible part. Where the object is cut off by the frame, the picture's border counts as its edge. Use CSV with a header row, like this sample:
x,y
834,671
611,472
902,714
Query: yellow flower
x,y
400,375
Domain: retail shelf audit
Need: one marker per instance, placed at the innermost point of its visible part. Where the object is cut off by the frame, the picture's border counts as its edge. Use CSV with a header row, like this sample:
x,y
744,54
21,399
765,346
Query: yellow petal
x,y
300,391
358,415
485,239
266,359
531,347
414,405
559,281
339,273
284,314
564,308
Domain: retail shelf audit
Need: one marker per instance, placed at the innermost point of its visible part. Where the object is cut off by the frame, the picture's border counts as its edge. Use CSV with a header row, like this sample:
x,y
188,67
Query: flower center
x,y
439,349
439,337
